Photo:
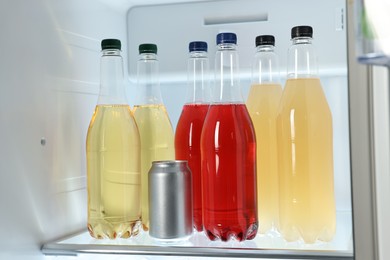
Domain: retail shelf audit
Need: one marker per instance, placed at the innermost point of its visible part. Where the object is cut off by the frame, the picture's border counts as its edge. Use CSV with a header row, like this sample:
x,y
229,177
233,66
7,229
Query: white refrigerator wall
x,y
49,78
173,26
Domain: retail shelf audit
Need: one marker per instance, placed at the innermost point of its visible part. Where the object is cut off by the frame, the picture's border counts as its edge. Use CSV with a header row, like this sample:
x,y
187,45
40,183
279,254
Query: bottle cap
x,y
265,40
301,31
226,38
147,48
111,44
197,46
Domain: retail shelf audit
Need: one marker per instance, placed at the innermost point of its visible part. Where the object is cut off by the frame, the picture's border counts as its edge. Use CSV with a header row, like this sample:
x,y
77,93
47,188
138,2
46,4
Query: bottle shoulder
x,y
228,112
155,114
113,118
304,96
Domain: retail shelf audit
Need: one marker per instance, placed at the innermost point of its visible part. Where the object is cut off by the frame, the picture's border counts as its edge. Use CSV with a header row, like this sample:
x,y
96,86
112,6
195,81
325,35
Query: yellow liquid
x,y
157,143
263,102
113,173
305,152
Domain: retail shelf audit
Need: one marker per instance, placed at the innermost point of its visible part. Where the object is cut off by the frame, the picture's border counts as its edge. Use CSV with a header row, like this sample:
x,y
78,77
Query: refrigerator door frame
x,y
361,118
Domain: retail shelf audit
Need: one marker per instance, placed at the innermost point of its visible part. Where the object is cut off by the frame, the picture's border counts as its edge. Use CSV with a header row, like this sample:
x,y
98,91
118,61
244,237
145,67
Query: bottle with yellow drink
x,y
113,155
263,103
156,132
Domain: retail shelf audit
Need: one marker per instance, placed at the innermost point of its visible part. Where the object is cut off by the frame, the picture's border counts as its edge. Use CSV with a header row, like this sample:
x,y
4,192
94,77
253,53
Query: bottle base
x,y
145,227
267,228
198,228
309,237
106,230
230,233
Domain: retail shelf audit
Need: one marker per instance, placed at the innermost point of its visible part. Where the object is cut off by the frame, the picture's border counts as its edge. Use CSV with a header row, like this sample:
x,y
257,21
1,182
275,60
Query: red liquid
x,y
228,148
187,147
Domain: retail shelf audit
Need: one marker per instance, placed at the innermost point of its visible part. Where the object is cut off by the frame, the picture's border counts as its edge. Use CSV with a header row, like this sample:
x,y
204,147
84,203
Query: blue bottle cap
x,y
197,46
226,38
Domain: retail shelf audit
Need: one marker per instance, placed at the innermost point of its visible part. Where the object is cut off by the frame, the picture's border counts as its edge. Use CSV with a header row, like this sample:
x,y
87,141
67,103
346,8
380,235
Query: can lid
x,y
301,31
226,38
265,40
147,48
169,163
111,44
197,46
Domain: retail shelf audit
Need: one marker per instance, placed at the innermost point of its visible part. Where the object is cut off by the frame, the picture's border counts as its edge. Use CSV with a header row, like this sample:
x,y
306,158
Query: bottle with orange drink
x,y
262,103
305,148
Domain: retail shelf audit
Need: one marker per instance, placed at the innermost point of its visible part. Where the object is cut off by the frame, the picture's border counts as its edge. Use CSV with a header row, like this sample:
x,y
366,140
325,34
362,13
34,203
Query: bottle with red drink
x,y
189,126
228,151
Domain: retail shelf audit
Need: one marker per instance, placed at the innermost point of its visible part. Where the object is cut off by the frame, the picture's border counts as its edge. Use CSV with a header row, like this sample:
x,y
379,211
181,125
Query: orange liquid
x,y
305,153
263,103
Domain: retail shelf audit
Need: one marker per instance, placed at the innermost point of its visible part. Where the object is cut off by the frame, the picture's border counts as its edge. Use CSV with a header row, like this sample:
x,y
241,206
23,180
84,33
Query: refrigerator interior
x,y
50,81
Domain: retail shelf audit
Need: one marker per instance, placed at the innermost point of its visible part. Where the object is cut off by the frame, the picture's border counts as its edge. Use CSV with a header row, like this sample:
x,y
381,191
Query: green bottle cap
x,y
111,44
147,48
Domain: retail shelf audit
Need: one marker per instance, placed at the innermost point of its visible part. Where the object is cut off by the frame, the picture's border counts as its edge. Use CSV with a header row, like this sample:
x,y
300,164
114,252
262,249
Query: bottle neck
x,y
301,59
112,89
227,81
148,85
265,48
265,66
198,77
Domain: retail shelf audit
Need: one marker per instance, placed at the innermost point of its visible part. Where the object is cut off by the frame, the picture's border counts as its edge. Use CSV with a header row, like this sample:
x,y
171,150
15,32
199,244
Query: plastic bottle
x,y
157,138
305,148
189,126
113,155
263,102
228,148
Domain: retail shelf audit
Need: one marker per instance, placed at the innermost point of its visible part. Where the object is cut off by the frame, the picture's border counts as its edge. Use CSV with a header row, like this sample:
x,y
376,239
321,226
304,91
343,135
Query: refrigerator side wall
x,y
49,77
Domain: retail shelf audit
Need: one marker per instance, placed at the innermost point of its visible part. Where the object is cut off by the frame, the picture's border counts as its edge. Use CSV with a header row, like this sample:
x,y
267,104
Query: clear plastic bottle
x,y
113,155
305,148
228,151
155,128
189,126
263,102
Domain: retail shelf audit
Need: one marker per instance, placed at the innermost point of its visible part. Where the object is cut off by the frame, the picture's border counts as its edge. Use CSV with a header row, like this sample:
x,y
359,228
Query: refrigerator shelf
x,y
270,246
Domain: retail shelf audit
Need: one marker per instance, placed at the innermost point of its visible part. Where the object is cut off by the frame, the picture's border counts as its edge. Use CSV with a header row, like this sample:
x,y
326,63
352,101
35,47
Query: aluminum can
x,y
170,200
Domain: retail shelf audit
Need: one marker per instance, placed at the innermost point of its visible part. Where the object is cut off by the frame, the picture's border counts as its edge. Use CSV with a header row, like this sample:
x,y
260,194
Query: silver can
x,y
170,200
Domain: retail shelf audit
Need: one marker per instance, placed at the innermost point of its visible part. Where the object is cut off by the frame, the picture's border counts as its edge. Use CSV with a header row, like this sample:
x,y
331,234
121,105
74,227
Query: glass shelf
x,y
271,245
